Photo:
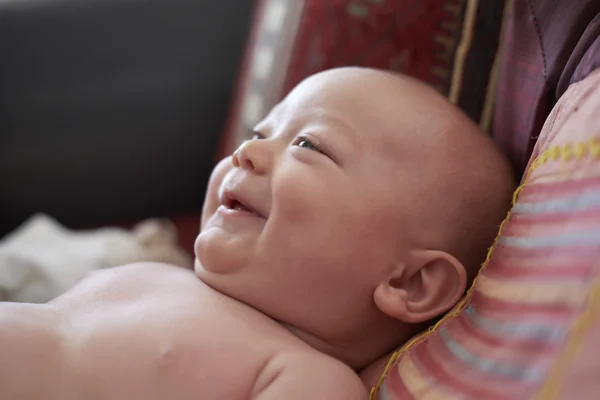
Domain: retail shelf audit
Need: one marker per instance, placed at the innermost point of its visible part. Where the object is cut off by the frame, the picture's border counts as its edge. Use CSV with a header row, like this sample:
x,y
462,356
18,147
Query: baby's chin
x,y
201,272
197,266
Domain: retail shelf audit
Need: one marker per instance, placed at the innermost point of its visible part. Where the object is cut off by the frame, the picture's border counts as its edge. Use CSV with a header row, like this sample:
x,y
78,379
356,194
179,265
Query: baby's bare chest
x,y
165,340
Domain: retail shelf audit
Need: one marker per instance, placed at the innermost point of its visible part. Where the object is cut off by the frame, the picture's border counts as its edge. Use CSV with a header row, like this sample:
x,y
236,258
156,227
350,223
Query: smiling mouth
x,y
236,205
232,204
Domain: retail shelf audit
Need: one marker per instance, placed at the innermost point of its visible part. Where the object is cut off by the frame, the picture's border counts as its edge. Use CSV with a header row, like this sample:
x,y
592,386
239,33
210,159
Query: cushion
x,y
547,45
450,44
530,325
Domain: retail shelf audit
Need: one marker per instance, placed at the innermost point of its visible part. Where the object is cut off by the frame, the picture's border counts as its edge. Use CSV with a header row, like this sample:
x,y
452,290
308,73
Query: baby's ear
x,y
428,285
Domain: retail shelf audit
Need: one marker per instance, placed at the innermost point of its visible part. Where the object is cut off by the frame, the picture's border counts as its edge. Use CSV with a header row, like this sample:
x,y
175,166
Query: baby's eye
x,y
307,143
254,135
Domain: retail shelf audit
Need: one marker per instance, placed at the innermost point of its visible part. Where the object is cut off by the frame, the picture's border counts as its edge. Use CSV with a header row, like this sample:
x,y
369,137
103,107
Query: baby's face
x,y
301,222
347,214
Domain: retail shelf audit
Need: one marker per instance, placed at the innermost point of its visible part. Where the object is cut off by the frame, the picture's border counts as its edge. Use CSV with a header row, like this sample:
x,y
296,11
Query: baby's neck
x,y
357,353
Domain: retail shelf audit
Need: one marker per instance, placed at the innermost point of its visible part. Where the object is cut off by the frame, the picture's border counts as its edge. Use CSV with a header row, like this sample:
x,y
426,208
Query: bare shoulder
x,y
143,276
31,347
307,375
143,269
150,269
124,282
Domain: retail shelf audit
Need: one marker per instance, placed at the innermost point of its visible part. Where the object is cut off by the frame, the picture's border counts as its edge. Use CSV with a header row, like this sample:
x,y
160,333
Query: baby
x,y
356,212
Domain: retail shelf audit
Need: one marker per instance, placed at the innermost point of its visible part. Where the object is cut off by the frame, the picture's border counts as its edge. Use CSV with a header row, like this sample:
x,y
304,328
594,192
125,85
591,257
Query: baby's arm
x,y
29,351
301,377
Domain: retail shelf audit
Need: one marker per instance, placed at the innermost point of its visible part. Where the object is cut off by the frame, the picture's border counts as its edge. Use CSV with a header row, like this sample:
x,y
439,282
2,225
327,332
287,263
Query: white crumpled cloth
x,y
42,259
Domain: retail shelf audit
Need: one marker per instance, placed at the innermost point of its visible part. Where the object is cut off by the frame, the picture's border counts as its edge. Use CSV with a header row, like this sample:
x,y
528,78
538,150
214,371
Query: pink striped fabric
x,y
526,328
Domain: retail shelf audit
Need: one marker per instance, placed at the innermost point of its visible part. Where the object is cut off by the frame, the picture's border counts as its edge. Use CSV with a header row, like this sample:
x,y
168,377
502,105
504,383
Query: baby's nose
x,y
253,156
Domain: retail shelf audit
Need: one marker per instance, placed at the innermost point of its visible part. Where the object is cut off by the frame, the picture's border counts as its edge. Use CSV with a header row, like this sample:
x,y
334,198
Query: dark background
x,y
112,110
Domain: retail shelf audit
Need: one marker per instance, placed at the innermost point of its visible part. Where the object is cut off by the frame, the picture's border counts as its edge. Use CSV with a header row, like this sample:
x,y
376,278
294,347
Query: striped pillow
x,y
530,325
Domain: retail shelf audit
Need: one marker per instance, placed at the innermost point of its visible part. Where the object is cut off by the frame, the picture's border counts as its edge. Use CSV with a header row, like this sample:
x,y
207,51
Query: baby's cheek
x,y
219,172
211,200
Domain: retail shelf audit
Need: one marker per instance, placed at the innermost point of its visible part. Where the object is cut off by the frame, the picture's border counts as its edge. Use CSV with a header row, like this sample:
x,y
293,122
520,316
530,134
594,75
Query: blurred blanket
x,y
42,259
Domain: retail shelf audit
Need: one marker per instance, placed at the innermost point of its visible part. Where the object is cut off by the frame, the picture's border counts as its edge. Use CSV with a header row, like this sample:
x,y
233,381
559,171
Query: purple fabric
x,y
547,45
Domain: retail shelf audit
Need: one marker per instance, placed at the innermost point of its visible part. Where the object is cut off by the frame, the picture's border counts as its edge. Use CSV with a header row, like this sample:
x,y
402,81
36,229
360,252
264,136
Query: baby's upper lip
x,y
230,196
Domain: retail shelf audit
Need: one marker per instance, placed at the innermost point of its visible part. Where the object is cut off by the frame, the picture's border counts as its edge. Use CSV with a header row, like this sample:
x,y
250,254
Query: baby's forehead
x,y
325,119
330,103
376,111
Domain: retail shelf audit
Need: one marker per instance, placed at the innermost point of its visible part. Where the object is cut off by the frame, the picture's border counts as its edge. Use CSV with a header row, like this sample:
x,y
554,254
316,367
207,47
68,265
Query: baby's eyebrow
x,y
328,116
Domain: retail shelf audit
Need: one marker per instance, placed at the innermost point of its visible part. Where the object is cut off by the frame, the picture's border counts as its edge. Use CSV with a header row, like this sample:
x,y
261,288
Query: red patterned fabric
x,y
416,37
450,44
